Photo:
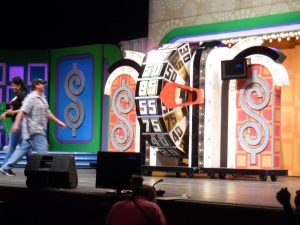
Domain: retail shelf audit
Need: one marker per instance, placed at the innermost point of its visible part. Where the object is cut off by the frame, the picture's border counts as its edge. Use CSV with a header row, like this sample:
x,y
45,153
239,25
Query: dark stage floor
x,y
196,195
242,191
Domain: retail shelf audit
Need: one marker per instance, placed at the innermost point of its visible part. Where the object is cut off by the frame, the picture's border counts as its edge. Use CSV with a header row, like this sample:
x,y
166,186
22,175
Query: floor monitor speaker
x,y
51,170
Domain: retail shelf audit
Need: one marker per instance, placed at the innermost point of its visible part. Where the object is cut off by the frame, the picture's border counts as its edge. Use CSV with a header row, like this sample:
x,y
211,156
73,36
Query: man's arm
x,y
56,120
16,127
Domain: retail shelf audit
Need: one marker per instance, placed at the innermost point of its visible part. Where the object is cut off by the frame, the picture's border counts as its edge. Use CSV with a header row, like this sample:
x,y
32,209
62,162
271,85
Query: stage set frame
x,y
236,114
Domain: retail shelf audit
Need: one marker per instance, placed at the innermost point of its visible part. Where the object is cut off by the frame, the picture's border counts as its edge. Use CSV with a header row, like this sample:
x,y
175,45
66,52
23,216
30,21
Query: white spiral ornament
x,y
257,144
122,143
74,85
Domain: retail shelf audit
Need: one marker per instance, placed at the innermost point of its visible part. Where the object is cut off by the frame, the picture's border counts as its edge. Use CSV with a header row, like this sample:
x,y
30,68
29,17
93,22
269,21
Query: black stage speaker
x,y
51,170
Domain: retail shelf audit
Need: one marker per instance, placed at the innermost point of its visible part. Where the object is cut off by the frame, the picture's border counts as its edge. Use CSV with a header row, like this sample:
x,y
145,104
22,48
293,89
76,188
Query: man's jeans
x,y
14,140
37,142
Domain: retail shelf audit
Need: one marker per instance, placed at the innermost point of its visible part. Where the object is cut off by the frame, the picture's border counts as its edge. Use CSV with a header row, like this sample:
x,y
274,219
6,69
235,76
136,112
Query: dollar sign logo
x,y
254,145
122,143
74,85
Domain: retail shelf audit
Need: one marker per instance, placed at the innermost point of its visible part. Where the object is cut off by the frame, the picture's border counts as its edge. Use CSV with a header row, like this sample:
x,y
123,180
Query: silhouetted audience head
x,y
139,209
140,190
297,199
283,196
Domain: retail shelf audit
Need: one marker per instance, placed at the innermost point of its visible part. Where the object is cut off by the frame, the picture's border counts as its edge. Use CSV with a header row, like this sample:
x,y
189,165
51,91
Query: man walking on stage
x,y
34,115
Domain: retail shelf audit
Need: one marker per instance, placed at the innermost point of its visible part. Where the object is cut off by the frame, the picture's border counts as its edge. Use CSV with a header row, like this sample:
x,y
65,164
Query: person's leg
x,y
39,143
14,140
17,155
28,153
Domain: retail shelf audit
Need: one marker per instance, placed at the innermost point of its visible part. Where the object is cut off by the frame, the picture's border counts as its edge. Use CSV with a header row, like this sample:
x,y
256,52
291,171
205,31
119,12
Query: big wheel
x,y
165,127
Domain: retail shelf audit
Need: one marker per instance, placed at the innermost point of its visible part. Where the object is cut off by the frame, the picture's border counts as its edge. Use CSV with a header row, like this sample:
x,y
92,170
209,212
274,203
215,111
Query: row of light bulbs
x,y
266,37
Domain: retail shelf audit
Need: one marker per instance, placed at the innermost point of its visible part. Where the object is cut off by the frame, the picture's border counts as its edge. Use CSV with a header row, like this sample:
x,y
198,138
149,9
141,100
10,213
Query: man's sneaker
x,y
7,172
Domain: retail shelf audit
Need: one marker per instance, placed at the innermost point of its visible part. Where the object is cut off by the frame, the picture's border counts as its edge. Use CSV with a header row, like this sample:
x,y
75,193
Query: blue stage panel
x,y
74,98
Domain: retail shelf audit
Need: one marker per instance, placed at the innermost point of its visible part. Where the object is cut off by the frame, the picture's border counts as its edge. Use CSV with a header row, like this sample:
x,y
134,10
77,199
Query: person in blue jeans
x,y
34,115
20,90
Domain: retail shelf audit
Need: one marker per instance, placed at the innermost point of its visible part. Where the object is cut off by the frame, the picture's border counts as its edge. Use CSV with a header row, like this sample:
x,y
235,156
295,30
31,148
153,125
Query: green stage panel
x,y
77,79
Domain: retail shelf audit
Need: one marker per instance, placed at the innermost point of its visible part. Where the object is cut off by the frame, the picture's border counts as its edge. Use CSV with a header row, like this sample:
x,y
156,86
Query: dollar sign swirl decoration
x,y
254,145
122,143
74,77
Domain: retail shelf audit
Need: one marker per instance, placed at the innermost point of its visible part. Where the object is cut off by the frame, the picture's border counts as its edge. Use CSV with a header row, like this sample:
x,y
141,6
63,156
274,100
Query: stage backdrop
x,y
76,96
25,64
